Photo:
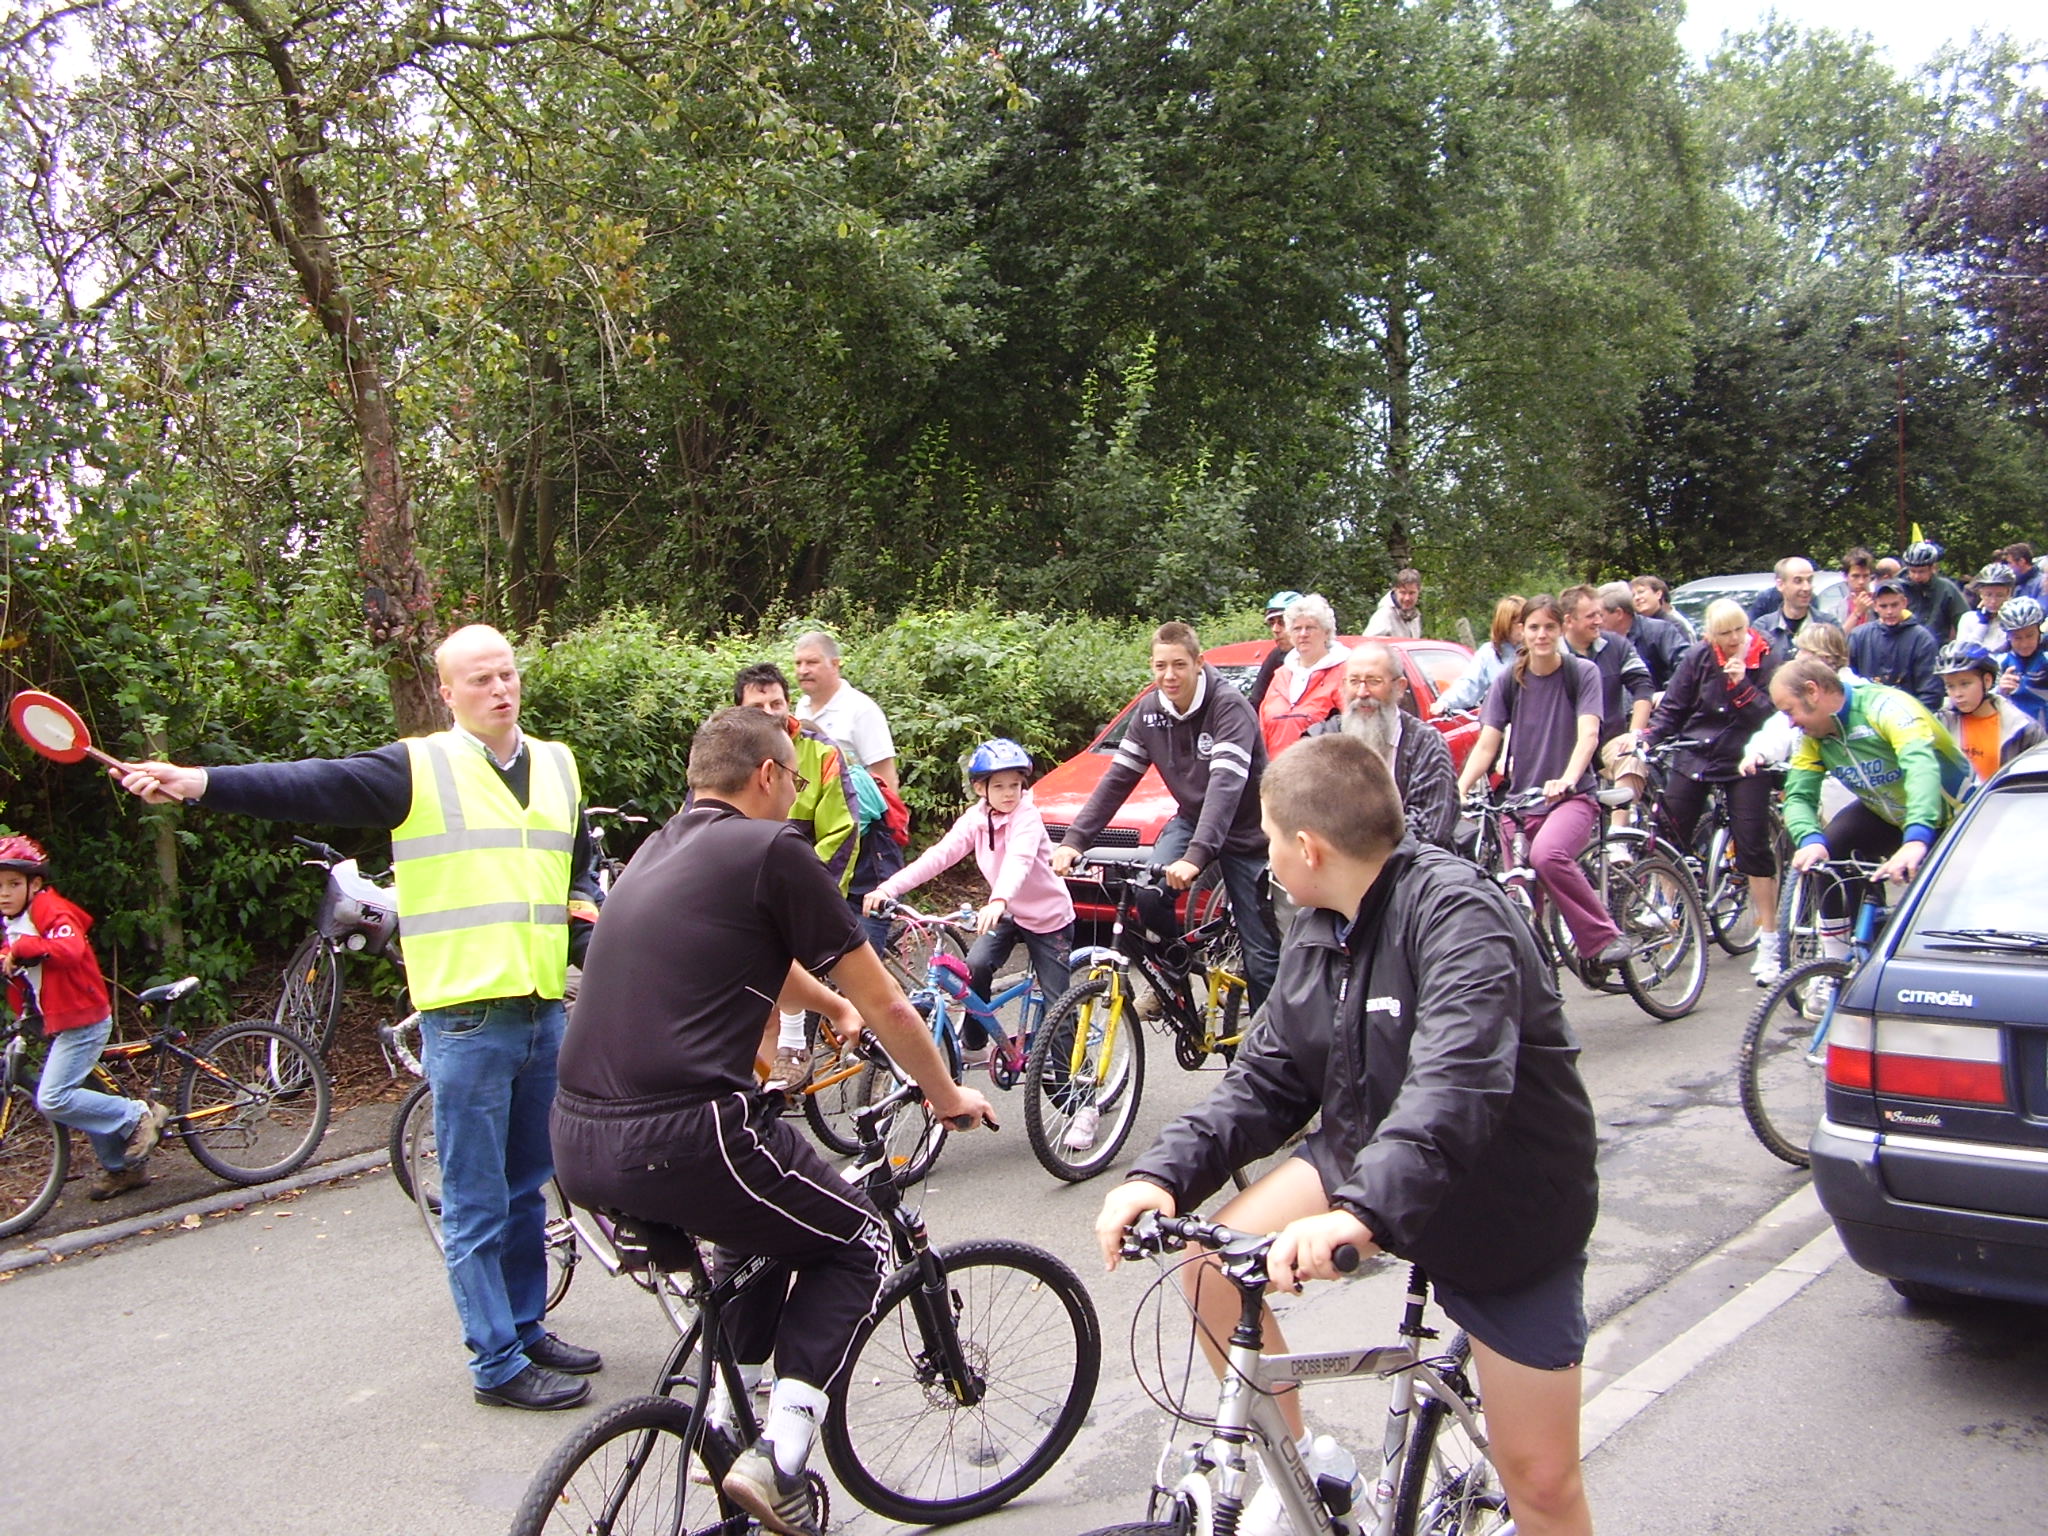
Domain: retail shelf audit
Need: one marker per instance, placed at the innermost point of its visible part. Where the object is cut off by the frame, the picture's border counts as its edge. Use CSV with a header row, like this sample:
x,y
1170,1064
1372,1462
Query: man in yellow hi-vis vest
x,y
494,867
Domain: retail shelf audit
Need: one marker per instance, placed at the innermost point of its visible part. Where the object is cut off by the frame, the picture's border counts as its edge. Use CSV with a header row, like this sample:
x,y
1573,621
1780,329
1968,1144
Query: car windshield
x,y
1694,604
1991,892
1441,665
1239,677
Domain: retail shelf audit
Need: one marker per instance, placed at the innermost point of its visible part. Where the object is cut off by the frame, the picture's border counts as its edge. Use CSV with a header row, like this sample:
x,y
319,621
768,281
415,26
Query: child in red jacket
x,y
47,961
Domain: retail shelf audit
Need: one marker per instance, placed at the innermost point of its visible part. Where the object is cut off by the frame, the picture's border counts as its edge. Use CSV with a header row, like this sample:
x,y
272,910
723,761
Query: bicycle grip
x,y
1345,1257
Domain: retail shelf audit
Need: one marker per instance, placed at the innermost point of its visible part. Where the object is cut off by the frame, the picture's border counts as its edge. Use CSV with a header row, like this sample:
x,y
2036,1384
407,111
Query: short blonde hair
x,y
1723,614
1827,641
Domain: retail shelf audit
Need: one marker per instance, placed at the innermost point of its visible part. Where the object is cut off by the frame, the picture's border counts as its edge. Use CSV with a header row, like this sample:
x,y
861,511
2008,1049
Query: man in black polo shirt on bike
x,y
723,916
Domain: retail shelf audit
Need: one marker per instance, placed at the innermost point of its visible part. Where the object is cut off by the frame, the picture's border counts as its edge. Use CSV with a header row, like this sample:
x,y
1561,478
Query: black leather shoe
x,y
553,1352
538,1388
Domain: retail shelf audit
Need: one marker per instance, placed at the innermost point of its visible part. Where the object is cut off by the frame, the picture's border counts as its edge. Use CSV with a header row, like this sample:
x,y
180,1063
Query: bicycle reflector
x,y
1907,1058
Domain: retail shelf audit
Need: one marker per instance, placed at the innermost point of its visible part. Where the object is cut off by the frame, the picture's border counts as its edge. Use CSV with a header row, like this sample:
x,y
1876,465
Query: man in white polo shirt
x,y
856,723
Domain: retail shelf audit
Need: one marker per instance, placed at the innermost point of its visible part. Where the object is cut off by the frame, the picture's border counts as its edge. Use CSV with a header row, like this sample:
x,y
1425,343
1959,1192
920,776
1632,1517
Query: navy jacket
x,y
1900,656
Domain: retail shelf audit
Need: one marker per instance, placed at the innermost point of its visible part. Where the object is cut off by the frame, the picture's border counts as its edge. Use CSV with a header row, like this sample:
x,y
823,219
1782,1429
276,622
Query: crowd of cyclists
x,y
1895,686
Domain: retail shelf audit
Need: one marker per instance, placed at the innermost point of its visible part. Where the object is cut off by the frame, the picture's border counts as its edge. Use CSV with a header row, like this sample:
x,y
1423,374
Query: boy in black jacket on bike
x,y
1414,1011
1203,737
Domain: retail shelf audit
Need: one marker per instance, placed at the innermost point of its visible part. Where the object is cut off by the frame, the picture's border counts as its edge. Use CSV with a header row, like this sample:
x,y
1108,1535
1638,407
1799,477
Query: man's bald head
x,y
463,646
480,683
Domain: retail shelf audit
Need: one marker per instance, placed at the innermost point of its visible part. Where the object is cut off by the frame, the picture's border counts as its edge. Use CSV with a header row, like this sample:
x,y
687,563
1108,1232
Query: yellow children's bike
x,y
1086,1072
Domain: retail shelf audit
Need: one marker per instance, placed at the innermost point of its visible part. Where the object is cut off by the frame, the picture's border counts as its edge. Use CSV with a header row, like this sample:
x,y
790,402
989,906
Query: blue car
x,y
1932,1153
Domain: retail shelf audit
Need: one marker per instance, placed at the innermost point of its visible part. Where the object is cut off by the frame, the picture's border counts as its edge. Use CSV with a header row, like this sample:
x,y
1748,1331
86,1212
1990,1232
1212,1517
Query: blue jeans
x,y
106,1119
492,1065
1048,952
1244,878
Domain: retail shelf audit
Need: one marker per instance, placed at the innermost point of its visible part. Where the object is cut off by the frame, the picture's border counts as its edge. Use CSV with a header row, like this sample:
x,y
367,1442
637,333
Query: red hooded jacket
x,y
72,993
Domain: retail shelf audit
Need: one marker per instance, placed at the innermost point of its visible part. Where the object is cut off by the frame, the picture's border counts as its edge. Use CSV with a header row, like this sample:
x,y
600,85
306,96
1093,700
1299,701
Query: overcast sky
x,y
1909,30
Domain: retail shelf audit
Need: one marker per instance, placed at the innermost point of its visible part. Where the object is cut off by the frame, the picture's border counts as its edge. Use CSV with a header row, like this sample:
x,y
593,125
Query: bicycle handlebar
x,y
1154,1233
326,852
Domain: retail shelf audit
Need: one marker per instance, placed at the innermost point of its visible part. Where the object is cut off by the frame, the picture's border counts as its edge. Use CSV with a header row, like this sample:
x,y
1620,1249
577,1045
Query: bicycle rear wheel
x,y
1731,917
1799,915
310,1005
1448,1487
628,1472
1657,908
1782,1066
254,1104
1104,1082
912,1441
35,1157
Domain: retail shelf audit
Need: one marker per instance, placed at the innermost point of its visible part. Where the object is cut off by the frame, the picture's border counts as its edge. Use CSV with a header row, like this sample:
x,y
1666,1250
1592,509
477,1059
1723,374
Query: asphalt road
x,y
294,1367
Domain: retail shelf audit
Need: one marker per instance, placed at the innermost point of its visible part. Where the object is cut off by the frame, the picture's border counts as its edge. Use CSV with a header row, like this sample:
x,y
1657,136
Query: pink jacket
x,y
1015,856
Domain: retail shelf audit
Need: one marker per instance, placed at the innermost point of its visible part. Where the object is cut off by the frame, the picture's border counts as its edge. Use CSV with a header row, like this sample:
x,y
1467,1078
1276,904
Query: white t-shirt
x,y
854,721
23,927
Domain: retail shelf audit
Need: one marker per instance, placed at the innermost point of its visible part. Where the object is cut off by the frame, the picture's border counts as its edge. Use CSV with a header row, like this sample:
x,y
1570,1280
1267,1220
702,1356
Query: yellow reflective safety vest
x,y
483,882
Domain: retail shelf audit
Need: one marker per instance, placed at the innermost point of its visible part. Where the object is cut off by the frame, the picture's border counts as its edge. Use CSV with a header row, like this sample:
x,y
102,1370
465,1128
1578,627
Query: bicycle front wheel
x,y
914,1441
421,1157
35,1157
310,1005
1782,1067
254,1103
911,948
628,1472
833,1097
418,1102
1083,1080
1448,1487
1657,907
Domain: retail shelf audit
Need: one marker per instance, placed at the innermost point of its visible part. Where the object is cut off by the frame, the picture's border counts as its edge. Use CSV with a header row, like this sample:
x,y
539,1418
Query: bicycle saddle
x,y
651,1245
169,992
1620,794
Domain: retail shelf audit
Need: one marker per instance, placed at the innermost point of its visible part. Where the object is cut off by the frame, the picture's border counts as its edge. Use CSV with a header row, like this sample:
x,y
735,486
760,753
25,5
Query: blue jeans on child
x,y
106,1119
1244,878
1048,952
492,1065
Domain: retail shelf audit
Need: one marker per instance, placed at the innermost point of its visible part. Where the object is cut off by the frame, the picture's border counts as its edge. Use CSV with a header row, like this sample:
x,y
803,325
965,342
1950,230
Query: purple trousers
x,y
1557,837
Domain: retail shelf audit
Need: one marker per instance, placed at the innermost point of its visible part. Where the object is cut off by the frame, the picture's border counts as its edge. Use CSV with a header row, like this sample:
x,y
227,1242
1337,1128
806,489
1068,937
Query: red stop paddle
x,y
53,728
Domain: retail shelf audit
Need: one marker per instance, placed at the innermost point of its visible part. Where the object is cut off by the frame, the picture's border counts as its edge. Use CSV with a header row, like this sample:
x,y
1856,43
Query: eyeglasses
x,y
797,780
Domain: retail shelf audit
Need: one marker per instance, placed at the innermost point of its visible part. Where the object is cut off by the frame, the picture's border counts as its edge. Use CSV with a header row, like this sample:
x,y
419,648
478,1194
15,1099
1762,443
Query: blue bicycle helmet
x,y
1278,602
997,756
1964,656
2019,612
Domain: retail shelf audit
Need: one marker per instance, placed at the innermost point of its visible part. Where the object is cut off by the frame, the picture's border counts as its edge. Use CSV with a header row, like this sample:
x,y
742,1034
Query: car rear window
x,y
1239,677
1995,878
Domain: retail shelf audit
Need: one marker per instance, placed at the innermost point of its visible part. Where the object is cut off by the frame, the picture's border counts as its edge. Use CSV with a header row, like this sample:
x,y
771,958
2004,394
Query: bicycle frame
x,y
1248,1418
1129,949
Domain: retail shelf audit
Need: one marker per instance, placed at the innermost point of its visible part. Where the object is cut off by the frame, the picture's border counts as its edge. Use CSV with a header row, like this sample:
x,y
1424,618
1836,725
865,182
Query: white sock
x,y
1834,946
791,1037
794,1409
721,1410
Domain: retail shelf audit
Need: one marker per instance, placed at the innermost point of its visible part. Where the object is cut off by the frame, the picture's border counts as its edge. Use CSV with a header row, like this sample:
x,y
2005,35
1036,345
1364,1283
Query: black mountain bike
x,y
969,1383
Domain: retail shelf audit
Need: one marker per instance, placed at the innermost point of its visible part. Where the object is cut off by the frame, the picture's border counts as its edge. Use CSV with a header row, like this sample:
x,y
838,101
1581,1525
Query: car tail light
x,y
1918,1059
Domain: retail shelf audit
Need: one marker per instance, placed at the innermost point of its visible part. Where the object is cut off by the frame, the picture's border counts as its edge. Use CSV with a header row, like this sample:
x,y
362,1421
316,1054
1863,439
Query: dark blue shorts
x,y
1541,1325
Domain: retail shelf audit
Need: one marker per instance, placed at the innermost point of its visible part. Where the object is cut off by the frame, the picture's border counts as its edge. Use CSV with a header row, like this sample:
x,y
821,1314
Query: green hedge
x,y
624,692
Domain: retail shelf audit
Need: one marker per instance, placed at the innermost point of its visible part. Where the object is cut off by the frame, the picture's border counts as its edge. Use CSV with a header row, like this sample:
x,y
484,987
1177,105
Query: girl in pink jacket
x,y
1026,901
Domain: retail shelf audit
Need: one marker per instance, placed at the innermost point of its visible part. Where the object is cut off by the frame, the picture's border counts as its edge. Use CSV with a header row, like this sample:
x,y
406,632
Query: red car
x,y
1433,665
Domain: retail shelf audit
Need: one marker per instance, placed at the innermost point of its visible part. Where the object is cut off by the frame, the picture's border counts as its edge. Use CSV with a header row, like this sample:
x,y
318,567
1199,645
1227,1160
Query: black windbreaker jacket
x,y
1435,1045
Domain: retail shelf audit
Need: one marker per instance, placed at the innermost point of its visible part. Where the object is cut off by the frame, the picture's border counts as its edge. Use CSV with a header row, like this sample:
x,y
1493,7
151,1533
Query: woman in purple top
x,y
1552,699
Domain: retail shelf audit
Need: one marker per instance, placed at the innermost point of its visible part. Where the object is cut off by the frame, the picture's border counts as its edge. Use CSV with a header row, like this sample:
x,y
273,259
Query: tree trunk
x,y
1400,353
398,602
